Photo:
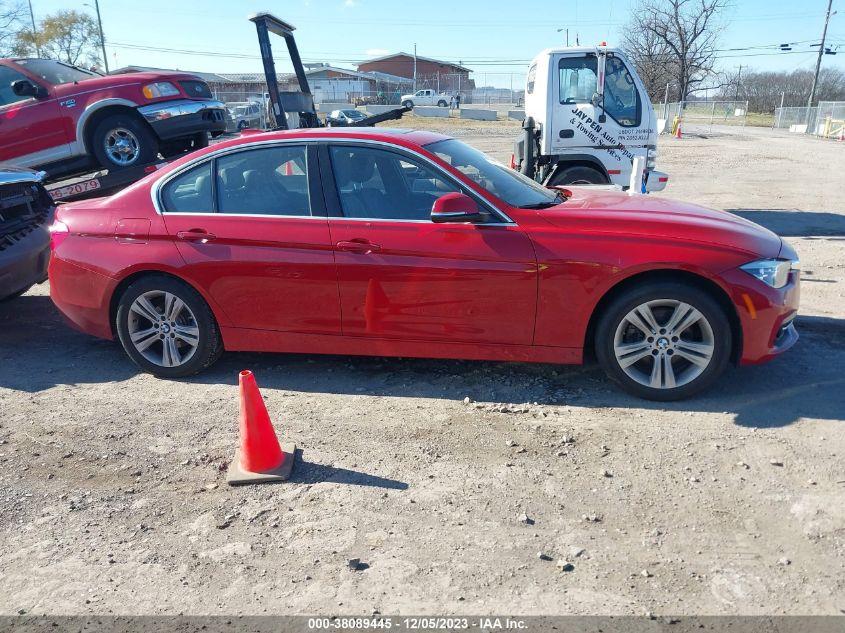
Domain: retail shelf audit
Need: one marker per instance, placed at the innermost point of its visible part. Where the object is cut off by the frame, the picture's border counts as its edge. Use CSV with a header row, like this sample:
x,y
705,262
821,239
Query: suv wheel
x,y
167,328
120,141
663,341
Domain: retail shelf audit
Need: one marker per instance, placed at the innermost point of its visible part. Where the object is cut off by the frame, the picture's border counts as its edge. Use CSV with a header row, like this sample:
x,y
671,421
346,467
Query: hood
x,y
648,216
124,79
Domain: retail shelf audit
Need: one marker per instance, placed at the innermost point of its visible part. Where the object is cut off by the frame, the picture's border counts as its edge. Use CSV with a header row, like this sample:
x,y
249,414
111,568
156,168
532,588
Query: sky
x,y
496,39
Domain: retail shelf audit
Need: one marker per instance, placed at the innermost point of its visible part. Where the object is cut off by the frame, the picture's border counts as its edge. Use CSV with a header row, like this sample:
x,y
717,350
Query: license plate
x,y
75,189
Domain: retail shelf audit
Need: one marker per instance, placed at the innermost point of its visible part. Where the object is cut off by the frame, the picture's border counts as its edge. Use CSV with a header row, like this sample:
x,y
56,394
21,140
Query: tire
x,y
200,140
139,144
710,336
442,104
408,104
201,345
577,175
242,125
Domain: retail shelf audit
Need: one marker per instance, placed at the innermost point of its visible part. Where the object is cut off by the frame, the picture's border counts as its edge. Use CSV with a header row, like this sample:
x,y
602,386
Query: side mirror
x,y
596,100
455,207
25,88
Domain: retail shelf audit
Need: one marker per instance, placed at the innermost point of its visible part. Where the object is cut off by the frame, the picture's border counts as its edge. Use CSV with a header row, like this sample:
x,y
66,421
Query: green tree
x,y
69,36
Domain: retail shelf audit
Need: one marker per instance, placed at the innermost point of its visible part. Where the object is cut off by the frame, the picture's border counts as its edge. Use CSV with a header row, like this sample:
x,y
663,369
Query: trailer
x,y
295,109
98,183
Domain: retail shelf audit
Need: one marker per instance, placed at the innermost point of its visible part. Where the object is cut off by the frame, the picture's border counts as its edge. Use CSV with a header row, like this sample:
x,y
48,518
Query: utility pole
x,y
102,37
415,66
819,60
738,80
34,34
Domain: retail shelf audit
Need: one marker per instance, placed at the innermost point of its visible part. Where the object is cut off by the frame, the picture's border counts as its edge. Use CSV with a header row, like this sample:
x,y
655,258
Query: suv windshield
x,y
506,184
55,72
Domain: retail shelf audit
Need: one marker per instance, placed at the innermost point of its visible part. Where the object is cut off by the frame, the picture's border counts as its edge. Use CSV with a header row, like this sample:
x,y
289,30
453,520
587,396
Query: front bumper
x,y
766,315
184,117
24,262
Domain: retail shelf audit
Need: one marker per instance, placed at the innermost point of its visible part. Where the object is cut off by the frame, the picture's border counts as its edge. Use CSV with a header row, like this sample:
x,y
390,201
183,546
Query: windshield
x,y
354,114
504,183
55,72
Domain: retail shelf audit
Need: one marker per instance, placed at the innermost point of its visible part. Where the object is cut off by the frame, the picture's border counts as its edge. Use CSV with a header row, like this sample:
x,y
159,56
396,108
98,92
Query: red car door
x,y
403,276
30,127
249,226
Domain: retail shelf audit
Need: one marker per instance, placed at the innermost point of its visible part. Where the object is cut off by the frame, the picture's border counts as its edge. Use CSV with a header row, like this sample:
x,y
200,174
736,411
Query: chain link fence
x,y
701,116
826,120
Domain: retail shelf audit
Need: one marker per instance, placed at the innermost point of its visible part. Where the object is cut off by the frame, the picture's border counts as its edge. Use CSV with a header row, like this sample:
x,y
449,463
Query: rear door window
x,y
189,192
264,181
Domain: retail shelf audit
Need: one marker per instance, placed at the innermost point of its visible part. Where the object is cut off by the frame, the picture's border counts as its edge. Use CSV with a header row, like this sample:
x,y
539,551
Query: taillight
x,y
58,233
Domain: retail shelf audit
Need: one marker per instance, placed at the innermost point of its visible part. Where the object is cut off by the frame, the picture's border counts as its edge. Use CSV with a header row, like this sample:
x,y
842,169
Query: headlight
x,y
772,272
160,89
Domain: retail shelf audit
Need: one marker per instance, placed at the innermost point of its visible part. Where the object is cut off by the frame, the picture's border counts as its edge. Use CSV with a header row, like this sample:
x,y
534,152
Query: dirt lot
x,y
112,496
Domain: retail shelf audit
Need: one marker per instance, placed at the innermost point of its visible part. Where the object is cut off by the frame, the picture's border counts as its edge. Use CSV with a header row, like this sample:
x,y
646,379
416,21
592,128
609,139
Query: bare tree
x,y
680,36
763,90
12,16
69,36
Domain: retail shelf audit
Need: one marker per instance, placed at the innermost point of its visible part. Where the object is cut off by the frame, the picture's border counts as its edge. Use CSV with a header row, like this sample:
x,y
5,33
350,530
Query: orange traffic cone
x,y
678,130
260,458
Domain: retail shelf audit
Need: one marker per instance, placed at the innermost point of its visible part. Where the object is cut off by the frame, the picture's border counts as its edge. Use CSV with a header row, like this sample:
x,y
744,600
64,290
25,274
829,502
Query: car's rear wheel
x,y
663,341
121,141
577,175
167,328
408,103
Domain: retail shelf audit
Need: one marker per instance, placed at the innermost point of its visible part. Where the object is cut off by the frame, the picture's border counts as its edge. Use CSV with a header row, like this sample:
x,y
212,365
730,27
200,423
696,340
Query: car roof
x,y
397,136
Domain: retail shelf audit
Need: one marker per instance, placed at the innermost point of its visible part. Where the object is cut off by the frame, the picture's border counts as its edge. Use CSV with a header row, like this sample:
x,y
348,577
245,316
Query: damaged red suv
x,y
408,243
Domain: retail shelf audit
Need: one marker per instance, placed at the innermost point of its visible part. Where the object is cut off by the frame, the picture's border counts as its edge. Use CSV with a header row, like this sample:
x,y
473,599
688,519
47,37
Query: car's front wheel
x,y
121,141
408,103
167,328
663,341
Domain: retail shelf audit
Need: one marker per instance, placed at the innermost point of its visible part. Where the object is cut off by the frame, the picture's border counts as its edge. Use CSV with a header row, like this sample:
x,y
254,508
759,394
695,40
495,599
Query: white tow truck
x,y
587,117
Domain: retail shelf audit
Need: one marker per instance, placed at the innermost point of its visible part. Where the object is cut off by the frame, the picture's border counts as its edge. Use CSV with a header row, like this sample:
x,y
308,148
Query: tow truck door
x,y
598,109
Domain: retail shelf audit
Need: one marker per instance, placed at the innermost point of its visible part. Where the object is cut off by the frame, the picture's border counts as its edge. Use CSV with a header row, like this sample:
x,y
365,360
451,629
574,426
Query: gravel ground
x,y
548,492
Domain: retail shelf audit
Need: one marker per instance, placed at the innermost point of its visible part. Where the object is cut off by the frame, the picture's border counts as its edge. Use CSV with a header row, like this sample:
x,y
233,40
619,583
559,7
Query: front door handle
x,y
196,235
358,246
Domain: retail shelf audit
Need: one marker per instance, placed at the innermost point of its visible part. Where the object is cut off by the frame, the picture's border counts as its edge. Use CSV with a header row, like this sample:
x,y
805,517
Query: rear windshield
x,y
55,72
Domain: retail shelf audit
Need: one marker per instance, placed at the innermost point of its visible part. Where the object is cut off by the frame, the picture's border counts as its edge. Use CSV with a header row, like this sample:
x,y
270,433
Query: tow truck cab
x,y
587,116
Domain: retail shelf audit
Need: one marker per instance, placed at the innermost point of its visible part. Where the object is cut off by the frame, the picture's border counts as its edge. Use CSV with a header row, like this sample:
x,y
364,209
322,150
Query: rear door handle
x,y
196,235
358,246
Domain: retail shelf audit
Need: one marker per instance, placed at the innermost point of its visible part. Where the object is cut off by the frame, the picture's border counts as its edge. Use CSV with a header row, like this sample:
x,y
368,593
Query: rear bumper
x,y
25,262
175,119
82,296
766,316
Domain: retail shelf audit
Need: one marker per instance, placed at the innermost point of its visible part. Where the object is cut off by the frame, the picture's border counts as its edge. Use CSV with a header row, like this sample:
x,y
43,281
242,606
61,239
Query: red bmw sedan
x,y
408,243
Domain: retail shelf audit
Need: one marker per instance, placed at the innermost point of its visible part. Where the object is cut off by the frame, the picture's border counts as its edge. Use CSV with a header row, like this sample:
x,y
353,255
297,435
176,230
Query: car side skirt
x,y
247,340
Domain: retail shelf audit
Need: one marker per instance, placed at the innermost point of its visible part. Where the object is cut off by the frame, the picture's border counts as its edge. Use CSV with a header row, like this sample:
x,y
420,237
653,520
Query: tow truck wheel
x,y
578,175
408,103
121,141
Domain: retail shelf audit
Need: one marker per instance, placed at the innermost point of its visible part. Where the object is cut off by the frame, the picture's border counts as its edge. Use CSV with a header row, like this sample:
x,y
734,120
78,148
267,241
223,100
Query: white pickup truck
x,y
426,97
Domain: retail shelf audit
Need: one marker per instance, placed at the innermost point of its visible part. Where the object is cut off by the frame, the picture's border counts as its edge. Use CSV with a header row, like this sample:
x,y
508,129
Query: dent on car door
x,y
254,235
403,276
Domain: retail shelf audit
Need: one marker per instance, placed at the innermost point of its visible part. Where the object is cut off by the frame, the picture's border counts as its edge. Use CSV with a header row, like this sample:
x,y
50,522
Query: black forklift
x,y
295,109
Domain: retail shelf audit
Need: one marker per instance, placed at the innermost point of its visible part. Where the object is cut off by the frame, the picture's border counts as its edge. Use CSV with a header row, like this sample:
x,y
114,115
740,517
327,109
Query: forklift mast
x,y
299,106
284,103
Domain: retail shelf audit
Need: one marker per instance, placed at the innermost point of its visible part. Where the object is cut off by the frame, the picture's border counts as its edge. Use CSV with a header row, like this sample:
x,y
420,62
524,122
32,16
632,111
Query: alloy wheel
x,y
163,329
122,146
664,344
